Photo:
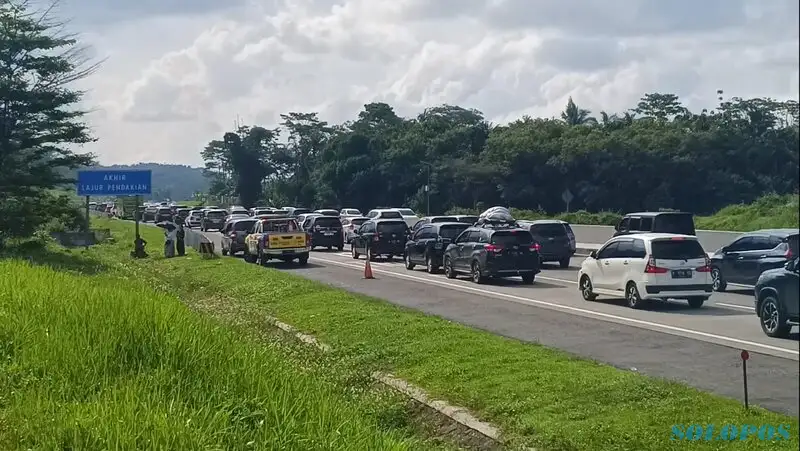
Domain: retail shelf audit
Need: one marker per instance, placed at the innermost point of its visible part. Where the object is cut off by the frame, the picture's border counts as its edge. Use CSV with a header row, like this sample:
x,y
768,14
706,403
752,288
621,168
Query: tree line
x,y
657,155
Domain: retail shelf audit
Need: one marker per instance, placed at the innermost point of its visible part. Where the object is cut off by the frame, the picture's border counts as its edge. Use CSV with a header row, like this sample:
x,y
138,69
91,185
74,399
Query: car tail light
x,y
536,247
493,248
376,237
652,268
706,267
789,255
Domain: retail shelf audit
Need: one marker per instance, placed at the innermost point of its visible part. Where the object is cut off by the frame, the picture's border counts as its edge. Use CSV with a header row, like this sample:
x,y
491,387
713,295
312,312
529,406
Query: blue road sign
x,y
114,183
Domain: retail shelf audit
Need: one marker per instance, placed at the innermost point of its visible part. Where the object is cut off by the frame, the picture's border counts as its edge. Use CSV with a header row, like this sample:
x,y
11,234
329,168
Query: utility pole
x,y
428,191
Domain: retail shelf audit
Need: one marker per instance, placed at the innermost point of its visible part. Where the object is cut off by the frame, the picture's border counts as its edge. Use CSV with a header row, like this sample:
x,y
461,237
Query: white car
x,y
384,213
350,213
409,216
648,266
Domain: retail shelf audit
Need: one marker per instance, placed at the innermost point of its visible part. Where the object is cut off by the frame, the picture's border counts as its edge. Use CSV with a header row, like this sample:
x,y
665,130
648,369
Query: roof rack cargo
x,y
496,218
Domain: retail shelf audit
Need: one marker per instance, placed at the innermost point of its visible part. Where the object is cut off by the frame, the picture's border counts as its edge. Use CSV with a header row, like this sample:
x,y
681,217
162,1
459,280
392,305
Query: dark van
x,y
326,231
556,239
657,222
376,237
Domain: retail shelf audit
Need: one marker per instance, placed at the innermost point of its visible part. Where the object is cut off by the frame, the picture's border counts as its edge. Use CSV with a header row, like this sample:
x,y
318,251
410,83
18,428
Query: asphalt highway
x,y
669,340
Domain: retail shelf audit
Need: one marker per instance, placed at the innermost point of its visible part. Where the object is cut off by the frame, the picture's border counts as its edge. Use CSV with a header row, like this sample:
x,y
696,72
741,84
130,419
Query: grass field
x,y
538,396
768,212
90,362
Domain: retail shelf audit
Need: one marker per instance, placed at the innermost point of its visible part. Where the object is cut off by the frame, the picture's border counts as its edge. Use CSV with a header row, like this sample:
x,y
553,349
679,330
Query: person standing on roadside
x,y
180,237
170,236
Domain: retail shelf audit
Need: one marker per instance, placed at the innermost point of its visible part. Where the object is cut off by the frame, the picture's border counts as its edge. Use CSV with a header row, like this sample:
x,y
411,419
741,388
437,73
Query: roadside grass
x,y
100,362
768,212
538,396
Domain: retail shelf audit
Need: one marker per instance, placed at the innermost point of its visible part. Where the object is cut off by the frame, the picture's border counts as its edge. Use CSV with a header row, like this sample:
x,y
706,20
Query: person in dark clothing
x,y
180,243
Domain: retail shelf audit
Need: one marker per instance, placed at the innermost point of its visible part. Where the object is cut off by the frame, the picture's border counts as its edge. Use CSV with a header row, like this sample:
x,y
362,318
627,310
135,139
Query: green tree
x,y
40,120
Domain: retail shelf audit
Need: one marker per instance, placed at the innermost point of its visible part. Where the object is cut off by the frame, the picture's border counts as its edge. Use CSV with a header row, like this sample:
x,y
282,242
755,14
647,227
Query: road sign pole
x,y
138,243
745,357
86,206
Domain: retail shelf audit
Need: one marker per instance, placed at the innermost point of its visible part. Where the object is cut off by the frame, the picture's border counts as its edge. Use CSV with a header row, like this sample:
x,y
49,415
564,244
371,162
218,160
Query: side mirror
x,y
724,249
593,254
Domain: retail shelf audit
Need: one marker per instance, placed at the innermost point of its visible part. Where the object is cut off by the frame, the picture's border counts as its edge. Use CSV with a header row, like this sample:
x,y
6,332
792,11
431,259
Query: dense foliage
x,y
39,122
656,155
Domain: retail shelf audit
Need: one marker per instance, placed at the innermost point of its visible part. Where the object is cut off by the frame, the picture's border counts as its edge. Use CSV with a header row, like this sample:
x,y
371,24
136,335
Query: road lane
x,y
708,366
727,318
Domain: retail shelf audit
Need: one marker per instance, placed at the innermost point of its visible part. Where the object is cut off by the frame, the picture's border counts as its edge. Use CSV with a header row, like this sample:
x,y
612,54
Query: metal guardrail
x,y
199,243
711,240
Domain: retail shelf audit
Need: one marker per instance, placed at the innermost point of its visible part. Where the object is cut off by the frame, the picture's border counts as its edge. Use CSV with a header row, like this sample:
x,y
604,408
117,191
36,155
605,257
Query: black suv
x,y
658,222
488,251
777,293
380,237
743,261
428,243
556,239
326,231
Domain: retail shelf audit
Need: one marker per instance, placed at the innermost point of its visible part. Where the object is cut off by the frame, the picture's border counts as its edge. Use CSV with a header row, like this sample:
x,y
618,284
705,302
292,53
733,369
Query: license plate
x,y
287,252
682,274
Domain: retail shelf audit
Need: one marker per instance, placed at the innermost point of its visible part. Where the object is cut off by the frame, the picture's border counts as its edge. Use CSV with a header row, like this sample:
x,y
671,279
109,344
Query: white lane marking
x,y
743,307
585,312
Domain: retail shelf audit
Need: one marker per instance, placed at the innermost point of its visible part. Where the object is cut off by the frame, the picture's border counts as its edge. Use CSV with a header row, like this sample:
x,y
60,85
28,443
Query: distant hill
x,y
170,181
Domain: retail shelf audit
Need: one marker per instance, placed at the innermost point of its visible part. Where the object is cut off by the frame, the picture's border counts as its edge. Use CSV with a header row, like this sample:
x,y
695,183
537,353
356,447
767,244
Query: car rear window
x,y
674,223
163,210
406,212
677,249
512,238
280,225
358,221
549,230
451,231
443,219
391,215
299,211
392,227
327,221
239,212
243,226
468,219
216,214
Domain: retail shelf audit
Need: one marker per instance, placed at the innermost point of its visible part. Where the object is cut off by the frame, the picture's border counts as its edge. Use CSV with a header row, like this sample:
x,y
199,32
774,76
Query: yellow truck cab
x,y
276,237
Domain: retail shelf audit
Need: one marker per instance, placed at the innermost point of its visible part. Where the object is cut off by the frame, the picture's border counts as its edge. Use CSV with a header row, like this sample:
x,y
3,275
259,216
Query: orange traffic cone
x,y
368,270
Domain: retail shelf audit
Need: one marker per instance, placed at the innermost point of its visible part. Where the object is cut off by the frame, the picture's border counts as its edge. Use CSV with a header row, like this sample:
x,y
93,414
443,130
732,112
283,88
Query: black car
x,y
678,222
380,237
556,239
234,233
432,220
326,231
777,293
426,245
163,214
488,252
213,219
743,261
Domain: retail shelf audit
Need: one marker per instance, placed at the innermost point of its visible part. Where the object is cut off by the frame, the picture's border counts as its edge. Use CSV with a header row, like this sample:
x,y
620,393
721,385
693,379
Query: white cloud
x,y
177,77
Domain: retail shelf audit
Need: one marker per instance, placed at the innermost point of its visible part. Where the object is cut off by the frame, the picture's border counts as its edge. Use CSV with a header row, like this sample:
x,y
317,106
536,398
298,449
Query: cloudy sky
x,y
178,72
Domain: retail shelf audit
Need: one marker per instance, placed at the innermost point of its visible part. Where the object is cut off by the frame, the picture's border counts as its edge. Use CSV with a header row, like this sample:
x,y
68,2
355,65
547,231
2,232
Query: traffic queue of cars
x,y
652,255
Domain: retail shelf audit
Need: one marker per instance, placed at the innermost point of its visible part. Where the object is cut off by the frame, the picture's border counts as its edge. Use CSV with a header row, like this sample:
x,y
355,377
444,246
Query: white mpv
x,y
648,266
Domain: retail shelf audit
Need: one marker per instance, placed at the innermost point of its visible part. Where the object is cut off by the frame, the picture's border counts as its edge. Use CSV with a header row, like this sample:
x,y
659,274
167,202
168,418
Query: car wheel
x,y
353,252
303,260
586,289
429,266
409,264
528,278
632,296
477,277
340,248
224,251
330,248
773,320
696,302
389,257
564,262
449,272
717,281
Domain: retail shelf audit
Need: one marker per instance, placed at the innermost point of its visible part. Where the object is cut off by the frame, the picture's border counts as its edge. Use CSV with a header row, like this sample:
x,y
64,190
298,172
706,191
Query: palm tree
x,y
573,115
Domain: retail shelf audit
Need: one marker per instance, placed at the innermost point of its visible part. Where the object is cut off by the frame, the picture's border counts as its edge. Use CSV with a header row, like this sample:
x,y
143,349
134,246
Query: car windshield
x,y
216,214
392,227
443,219
548,230
327,221
451,231
406,212
391,215
512,238
243,226
677,249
